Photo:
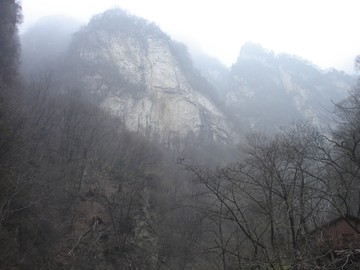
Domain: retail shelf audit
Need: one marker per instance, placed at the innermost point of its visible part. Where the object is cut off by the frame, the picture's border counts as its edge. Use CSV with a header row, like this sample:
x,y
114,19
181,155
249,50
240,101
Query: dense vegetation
x,y
79,191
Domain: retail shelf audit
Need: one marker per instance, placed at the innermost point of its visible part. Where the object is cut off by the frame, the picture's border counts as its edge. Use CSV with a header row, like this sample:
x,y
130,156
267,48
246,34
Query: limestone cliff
x,y
139,74
264,90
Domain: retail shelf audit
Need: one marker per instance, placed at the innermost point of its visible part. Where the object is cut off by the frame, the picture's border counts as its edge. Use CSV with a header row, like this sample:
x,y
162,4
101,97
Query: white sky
x,y
325,32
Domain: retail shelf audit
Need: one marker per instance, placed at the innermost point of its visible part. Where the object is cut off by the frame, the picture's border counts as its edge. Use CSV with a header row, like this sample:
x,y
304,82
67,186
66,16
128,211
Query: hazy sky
x,y
325,32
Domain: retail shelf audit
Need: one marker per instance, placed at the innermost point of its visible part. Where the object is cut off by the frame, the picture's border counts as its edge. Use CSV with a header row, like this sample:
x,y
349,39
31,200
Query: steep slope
x,y
265,90
214,71
139,74
135,71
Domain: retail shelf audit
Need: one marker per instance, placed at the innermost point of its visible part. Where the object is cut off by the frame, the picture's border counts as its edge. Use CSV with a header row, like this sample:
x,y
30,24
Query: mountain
x,y
138,73
78,190
264,90
214,71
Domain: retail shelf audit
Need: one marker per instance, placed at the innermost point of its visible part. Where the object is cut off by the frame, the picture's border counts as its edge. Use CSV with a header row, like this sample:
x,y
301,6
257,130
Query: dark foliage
x,y
10,16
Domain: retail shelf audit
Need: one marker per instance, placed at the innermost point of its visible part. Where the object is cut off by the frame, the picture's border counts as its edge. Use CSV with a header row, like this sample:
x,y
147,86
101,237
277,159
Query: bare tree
x,y
273,196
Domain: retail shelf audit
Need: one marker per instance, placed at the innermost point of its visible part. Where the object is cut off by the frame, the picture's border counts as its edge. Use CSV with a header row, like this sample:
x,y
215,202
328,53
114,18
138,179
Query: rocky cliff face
x,y
265,90
139,74
136,72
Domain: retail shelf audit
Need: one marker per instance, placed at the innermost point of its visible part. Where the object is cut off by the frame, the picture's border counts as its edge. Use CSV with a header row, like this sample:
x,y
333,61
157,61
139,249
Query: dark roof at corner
x,y
336,220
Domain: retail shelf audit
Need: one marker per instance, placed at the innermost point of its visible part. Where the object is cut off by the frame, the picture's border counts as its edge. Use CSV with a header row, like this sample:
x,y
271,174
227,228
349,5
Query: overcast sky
x,y
325,32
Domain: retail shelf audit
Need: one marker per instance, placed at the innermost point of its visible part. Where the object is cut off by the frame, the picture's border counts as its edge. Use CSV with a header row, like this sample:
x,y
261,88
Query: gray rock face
x,y
148,87
265,90
137,73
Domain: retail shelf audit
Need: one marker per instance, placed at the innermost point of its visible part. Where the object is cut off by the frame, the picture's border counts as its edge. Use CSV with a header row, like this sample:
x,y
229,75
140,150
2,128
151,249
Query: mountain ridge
x,y
135,71
261,81
145,79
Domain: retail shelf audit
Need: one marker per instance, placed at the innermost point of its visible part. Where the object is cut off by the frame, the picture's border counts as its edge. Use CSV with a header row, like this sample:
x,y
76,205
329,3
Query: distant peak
x,y
251,50
116,20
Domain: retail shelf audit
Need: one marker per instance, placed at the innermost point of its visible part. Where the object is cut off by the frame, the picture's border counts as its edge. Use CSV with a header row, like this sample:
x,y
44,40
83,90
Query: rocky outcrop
x,y
136,72
266,90
139,74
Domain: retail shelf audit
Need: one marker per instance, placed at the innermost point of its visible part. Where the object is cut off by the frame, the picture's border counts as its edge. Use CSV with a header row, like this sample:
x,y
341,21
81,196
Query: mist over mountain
x,y
267,90
214,71
137,72
45,41
120,150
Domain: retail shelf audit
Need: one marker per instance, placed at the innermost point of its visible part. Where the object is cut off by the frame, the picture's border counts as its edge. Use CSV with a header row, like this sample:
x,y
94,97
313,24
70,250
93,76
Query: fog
x,y
168,135
323,32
